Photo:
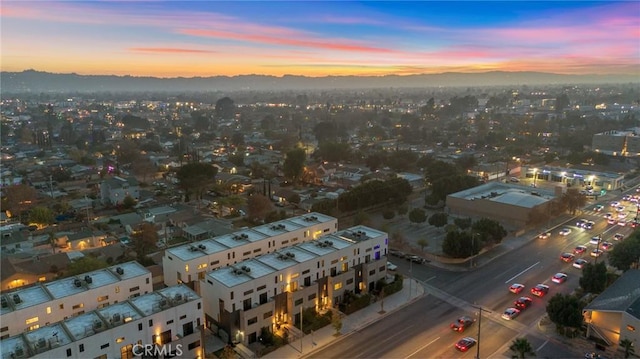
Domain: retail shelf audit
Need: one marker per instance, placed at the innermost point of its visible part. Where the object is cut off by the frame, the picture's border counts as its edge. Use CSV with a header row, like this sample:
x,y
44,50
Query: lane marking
x,y
397,333
424,346
426,280
543,344
517,275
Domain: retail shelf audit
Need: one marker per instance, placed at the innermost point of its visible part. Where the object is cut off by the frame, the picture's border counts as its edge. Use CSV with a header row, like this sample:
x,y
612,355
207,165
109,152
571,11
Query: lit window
x,y
186,268
117,289
337,286
31,320
631,328
42,279
48,310
120,340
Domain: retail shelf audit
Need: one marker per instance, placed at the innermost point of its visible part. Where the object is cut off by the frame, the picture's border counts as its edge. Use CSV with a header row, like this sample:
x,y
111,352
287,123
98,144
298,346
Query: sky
x,y
319,38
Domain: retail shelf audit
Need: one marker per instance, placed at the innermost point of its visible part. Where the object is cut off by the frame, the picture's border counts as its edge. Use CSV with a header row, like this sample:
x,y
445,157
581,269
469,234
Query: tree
x,y
258,206
388,214
83,265
491,230
336,322
41,216
225,109
196,178
422,242
417,215
565,310
294,164
439,219
627,345
521,347
128,202
463,223
626,253
228,353
573,199
18,198
458,244
144,167
145,238
403,209
594,277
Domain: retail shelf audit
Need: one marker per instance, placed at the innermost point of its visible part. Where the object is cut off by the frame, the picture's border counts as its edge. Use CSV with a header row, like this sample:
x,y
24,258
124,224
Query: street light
x,y
480,310
535,176
473,249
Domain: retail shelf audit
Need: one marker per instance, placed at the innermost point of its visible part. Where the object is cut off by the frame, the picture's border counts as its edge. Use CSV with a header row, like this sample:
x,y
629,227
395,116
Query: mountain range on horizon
x,y
32,81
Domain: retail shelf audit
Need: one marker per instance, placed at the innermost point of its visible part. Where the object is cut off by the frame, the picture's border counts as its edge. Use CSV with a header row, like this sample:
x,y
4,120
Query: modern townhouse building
x,y
271,290
190,262
165,323
45,303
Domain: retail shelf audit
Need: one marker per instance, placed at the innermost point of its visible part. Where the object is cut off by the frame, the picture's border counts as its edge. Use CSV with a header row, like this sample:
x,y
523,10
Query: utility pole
x,y
480,310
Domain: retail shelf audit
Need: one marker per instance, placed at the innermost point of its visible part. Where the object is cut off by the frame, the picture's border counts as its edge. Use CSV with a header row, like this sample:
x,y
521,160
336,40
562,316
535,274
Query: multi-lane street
x,y
422,330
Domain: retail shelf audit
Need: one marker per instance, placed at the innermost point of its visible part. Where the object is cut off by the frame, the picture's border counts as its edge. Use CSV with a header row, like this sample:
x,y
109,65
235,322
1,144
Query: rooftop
x,y
506,193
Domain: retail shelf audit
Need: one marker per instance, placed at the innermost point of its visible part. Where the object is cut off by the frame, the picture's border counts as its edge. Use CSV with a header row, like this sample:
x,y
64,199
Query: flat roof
x,y
119,313
242,272
507,194
43,338
360,233
84,325
279,227
26,297
12,345
311,218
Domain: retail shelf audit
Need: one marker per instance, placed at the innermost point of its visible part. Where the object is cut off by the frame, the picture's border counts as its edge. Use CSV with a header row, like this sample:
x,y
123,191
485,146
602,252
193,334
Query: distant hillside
x,y
36,81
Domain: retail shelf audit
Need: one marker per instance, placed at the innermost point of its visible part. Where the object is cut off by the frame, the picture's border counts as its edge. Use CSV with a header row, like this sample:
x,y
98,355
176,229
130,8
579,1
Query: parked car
x,y
391,266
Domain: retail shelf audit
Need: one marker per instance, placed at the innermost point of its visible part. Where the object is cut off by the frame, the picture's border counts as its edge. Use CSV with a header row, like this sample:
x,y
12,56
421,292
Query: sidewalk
x,y
411,291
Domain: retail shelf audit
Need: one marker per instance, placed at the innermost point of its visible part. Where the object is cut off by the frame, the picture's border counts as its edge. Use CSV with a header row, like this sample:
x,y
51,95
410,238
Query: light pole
x,y
474,246
598,248
480,310
535,176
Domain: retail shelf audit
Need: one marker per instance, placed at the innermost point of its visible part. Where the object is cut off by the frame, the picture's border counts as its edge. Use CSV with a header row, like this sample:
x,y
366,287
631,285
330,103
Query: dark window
x,y
4,329
194,345
139,326
299,301
246,304
312,296
170,322
372,272
81,348
103,346
350,280
134,289
253,320
69,352
263,298
307,281
306,271
199,305
248,292
187,328
267,314
183,316
261,287
246,253
212,263
150,322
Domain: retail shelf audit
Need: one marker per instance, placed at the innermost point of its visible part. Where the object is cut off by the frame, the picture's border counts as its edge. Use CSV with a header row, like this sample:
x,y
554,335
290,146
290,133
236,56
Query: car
x,y
618,236
581,223
564,231
461,324
540,290
559,278
588,224
598,208
622,222
510,313
415,259
612,221
514,179
579,263
615,204
516,288
567,257
597,252
595,240
544,235
622,215
579,249
391,266
620,208
608,215
523,303
465,344
606,246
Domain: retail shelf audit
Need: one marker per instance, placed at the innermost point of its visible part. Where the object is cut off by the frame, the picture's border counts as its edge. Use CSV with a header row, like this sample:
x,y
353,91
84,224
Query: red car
x,y
567,257
516,288
580,249
540,290
522,303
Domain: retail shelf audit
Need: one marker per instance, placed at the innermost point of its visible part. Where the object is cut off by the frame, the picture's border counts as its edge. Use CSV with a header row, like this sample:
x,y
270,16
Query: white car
x,y
618,236
510,313
564,231
559,278
391,266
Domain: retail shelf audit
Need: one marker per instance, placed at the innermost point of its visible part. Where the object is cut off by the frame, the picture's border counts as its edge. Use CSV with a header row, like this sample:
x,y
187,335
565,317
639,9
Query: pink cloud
x,y
274,40
169,50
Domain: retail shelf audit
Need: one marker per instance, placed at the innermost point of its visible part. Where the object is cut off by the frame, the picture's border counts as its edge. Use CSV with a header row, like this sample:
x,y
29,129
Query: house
x,y
207,229
114,190
18,272
615,314
82,240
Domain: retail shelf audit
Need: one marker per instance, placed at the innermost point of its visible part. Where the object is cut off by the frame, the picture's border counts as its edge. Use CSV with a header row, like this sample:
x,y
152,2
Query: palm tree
x,y
522,348
628,347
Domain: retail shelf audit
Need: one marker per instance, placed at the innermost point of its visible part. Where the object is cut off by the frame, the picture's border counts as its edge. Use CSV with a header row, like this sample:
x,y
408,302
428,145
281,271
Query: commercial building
x,y
164,323
574,177
190,262
271,290
617,143
30,308
511,205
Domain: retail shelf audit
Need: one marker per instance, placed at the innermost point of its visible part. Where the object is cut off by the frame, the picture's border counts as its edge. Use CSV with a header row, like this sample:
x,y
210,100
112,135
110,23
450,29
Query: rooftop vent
x,y
116,318
17,299
97,324
178,297
246,269
163,302
77,283
244,235
41,343
19,351
193,248
291,255
202,246
120,271
88,279
4,302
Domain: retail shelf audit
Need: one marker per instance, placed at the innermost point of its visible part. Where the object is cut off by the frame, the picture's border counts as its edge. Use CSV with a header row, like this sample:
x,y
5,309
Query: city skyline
x,y
315,39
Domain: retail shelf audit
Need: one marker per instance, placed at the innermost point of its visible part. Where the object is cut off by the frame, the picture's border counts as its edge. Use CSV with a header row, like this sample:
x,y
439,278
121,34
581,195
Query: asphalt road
x,y
421,330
